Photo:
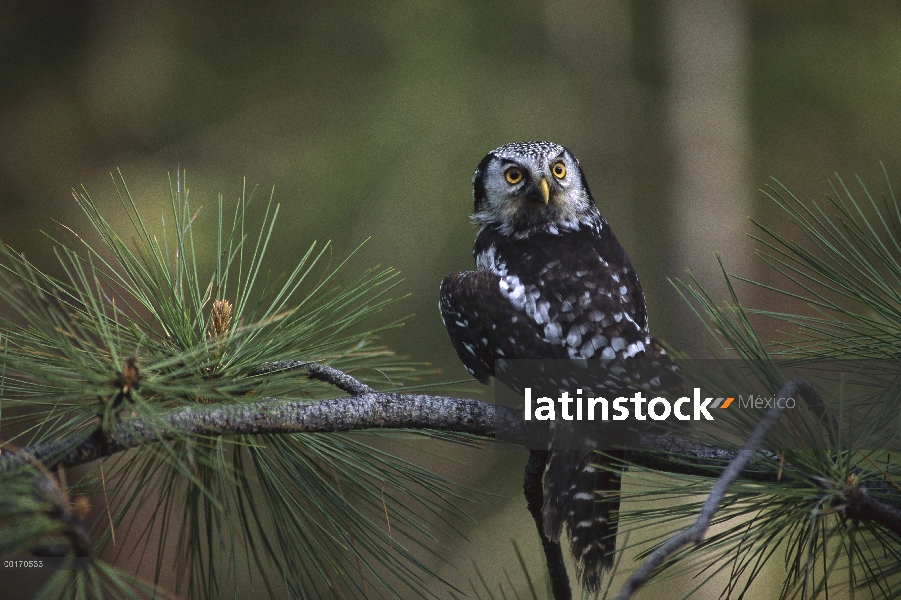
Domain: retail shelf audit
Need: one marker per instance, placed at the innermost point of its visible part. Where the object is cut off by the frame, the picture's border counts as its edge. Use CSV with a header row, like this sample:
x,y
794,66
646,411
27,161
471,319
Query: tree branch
x,y
863,507
694,534
339,379
368,411
374,410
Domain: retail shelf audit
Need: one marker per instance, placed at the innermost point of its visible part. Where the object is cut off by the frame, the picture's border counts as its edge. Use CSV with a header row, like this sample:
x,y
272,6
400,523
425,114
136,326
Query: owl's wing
x,y
463,295
467,301
486,319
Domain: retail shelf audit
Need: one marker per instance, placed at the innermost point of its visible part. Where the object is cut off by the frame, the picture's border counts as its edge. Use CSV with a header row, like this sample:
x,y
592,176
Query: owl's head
x,y
530,187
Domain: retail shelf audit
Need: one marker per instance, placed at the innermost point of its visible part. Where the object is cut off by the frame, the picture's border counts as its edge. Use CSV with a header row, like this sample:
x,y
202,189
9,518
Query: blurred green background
x,y
369,118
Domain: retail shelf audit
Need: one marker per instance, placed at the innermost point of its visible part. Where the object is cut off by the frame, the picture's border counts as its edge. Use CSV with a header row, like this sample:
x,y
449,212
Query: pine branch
x,y
694,534
382,410
371,410
339,379
863,507
367,409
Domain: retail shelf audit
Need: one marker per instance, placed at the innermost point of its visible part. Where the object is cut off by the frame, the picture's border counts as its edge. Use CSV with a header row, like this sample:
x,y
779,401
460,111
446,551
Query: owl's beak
x,y
545,191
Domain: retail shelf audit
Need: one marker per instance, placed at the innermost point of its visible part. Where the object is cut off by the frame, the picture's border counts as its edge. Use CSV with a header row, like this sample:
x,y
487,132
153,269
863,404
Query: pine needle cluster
x,y
145,322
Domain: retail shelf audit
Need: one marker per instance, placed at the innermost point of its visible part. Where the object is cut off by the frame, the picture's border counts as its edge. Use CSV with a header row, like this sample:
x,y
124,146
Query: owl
x,y
551,281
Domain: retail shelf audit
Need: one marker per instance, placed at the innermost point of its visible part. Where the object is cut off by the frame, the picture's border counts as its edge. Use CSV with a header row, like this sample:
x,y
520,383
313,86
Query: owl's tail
x,y
582,490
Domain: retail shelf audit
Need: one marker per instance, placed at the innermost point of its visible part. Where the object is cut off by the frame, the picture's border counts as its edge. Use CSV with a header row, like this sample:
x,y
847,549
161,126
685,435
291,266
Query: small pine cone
x,y
220,318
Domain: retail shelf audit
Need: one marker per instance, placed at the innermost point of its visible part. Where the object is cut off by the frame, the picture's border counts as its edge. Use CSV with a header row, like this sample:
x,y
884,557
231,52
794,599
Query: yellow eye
x,y
559,170
513,175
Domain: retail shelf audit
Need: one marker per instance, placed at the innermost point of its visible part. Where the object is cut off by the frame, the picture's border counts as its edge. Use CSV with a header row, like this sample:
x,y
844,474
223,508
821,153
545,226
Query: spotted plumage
x,y
551,281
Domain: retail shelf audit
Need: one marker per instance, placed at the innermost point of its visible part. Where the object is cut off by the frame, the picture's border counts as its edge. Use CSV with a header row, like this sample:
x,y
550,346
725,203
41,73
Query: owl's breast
x,y
563,292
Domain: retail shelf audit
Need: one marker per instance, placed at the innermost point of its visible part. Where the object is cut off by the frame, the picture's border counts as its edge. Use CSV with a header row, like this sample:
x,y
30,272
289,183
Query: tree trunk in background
x,y
690,59
706,112
652,200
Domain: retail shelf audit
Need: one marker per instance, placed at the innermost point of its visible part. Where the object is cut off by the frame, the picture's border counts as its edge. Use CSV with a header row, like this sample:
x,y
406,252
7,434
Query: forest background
x,y
368,120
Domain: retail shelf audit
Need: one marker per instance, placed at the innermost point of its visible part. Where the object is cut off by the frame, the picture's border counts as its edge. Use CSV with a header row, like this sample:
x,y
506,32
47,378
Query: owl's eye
x,y
559,170
513,175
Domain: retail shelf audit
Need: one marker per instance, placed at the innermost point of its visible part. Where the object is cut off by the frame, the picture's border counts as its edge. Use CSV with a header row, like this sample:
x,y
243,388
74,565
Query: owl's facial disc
x,y
526,187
